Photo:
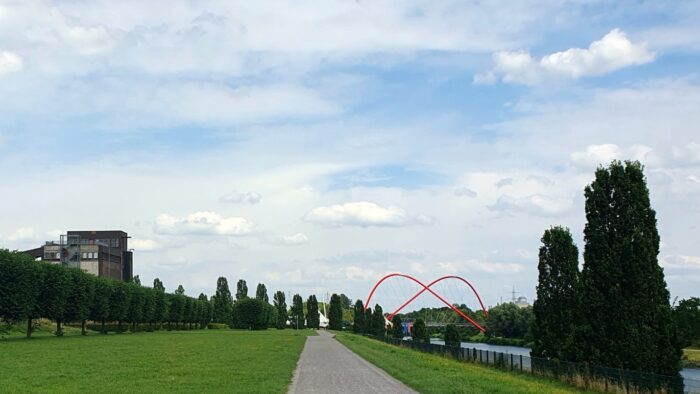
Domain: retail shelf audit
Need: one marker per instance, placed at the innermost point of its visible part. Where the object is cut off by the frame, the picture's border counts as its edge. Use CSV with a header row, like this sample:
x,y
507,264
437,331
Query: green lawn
x,y
429,373
691,358
166,361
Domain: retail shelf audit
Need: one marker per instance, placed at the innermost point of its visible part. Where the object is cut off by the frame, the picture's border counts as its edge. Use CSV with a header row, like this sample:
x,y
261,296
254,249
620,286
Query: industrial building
x,y
101,253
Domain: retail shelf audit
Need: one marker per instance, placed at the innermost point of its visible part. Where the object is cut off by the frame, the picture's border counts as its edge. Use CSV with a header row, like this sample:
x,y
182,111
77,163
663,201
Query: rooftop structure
x,y
101,253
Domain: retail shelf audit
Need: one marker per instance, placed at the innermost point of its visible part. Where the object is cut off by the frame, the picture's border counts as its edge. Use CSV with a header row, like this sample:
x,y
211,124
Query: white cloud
x,y
536,204
203,223
10,62
23,234
364,214
465,192
241,197
689,153
596,155
612,52
296,239
143,245
474,265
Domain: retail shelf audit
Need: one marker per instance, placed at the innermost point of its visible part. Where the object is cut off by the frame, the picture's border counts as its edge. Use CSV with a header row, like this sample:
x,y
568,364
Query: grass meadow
x,y
429,373
163,361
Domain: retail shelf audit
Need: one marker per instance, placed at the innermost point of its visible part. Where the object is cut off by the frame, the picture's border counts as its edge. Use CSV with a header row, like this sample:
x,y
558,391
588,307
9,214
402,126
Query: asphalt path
x,y
326,366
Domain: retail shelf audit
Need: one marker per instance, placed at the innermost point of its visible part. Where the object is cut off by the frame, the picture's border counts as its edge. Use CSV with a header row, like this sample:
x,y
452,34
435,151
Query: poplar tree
x,y
396,327
556,307
205,315
312,317
241,290
419,332
160,310
297,311
176,309
223,303
261,293
335,313
368,321
625,301
378,322
359,321
281,306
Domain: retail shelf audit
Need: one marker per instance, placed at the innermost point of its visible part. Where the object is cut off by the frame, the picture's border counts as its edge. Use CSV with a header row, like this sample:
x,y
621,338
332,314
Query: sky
x,y
315,147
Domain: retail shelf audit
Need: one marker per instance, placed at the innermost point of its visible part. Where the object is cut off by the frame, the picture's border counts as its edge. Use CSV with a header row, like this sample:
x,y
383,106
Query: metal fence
x,y
578,374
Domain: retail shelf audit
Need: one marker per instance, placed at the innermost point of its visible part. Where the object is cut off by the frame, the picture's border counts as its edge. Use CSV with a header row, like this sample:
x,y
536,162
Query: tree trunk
x,y
82,327
59,331
29,327
133,327
103,327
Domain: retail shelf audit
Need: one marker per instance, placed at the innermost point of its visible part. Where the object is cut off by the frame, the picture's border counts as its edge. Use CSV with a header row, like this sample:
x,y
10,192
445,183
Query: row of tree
x,y
366,321
31,290
614,312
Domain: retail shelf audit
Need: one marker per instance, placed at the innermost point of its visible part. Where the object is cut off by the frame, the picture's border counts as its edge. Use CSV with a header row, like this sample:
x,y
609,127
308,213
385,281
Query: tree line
x,y
31,290
615,311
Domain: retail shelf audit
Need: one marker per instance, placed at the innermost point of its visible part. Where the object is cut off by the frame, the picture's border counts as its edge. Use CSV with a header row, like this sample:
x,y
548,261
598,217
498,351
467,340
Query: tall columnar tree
x,y
345,302
180,290
223,303
241,290
312,316
358,324
419,332
281,306
368,321
176,309
250,314
188,313
297,312
205,315
99,310
378,321
396,327
80,297
624,297
556,307
149,307
261,293
335,313
452,335
160,303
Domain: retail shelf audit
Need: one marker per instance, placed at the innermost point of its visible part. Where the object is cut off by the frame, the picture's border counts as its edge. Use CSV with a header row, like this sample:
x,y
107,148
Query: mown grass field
x,y
166,361
429,373
691,358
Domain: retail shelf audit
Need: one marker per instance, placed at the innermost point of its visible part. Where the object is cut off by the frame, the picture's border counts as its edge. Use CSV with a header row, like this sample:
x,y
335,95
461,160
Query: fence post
x,y
480,358
521,363
511,361
487,357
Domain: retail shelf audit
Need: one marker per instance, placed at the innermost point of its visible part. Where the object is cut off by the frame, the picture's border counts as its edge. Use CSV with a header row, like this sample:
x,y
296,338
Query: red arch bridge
x,y
428,288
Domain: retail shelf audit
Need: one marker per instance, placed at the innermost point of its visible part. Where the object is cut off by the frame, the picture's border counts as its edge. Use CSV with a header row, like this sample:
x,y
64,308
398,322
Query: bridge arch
x,y
431,291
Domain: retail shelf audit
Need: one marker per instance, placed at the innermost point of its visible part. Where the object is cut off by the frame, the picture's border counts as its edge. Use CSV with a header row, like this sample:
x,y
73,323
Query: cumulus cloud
x,y
689,153
474,265
536,204
241,197
465,192
203,223
10,62
143,245
364,214
23,234
603,154
612,52
296,239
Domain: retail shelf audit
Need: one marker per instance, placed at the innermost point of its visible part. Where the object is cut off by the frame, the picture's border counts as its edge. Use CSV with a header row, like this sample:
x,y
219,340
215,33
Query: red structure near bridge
x,y
431,291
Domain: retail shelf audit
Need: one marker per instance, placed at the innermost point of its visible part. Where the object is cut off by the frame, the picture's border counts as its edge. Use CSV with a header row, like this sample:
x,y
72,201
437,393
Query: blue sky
x,y
314,148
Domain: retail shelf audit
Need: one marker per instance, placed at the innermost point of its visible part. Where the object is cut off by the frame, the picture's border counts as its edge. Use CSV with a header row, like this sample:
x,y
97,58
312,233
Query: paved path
x,y
326,366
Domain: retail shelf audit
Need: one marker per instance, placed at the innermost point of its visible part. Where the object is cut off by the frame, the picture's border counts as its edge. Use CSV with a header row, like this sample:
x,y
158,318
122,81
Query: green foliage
x,y
312,316
158,285
368,321
509,321
686,317
119,302
452,335
222,302
217,326
81,293
251,314
241,290
626,316
149,305
345,302
53,296
281,307
396,327
206,310
20,283
335,314
261,293
419,332
180,290
137,301
359,321
297,312
378,322
556,307
99,310
160,309
176,307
